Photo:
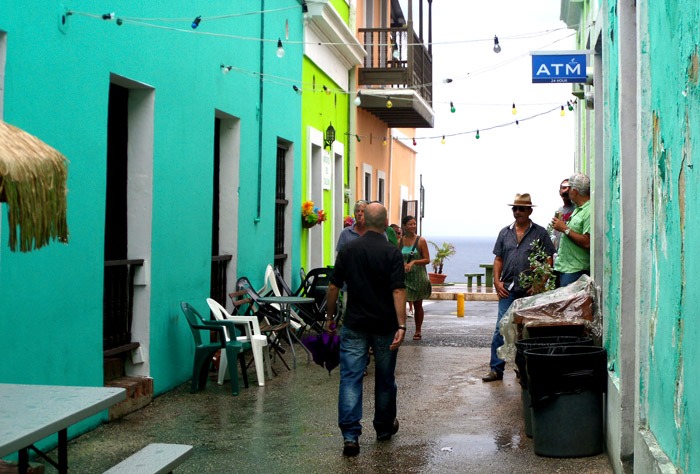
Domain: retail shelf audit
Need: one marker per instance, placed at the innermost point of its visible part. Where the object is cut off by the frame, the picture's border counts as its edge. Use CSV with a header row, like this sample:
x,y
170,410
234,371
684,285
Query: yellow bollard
x,y
460,305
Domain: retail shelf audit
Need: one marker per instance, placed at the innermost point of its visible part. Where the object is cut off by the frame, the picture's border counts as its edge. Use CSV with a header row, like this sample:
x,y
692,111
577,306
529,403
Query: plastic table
x,y
30,413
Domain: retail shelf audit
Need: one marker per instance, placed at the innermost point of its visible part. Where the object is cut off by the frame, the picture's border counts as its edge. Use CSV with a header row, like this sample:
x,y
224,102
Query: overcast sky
x,y
469,182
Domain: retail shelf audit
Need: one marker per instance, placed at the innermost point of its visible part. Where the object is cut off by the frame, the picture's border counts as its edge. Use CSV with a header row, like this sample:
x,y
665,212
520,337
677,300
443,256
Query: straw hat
x,y
522,200
33,183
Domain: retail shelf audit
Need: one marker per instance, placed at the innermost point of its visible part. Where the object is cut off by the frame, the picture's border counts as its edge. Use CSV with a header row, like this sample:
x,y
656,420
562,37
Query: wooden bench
x,y
155,458
470,276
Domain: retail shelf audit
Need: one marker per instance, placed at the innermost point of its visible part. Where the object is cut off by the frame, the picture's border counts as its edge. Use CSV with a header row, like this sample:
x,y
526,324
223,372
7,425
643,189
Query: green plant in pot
x,y
540,276
442,253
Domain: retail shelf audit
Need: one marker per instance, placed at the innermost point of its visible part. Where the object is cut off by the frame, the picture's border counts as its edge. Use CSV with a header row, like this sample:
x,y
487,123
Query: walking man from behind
x,y
574,256
512,249
375,317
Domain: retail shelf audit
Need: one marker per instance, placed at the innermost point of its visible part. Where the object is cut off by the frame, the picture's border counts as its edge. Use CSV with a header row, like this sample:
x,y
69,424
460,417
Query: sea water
x,y
471,252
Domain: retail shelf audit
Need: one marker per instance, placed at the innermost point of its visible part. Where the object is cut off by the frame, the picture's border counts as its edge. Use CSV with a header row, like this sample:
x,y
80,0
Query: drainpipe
x,y
391,171
350,159
260,109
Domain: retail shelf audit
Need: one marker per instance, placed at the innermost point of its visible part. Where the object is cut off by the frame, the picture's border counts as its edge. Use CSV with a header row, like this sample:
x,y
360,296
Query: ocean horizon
x,y
471,252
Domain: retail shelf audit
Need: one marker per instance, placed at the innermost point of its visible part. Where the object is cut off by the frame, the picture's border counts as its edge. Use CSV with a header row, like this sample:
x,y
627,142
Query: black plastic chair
x,y
204,351
315,286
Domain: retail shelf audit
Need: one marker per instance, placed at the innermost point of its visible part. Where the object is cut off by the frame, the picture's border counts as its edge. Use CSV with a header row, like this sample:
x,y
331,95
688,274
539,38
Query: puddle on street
x,y
481,445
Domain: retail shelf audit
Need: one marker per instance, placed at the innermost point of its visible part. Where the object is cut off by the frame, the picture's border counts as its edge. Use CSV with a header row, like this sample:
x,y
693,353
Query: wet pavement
x,y
451,422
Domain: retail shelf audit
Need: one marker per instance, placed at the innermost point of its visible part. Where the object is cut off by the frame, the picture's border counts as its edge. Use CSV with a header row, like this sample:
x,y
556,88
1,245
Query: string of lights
x,y
194,25
476,132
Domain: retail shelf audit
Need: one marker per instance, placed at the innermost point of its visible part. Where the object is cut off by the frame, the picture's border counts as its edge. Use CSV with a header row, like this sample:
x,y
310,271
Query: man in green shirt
x,y
574,257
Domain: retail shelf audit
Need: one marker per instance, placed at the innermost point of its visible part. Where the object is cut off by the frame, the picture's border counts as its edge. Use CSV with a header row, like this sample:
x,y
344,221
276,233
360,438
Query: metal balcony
x,y
398,67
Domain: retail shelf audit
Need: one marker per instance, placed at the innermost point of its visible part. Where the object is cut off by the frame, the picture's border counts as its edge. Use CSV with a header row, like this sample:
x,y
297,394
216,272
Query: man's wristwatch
x,y
402,327
566,232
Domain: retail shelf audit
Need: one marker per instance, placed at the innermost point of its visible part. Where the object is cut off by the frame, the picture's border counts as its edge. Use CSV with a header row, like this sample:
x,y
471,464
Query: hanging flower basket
x,y
310,215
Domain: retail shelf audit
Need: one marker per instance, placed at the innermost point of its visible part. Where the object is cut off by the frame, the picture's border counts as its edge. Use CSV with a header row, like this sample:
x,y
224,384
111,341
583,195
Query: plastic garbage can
x,y
566,385
559,329
533,343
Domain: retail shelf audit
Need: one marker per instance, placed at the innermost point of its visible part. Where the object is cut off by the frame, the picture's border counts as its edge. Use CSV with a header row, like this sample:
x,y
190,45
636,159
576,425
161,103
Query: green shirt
x,y
391,235
572,258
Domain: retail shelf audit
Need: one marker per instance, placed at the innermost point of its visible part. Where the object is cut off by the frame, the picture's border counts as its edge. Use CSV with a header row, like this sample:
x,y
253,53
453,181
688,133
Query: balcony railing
x,y
397,61
118,305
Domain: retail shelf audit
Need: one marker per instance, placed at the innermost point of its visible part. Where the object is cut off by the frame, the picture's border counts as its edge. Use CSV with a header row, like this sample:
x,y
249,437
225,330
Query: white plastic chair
x,y
252,334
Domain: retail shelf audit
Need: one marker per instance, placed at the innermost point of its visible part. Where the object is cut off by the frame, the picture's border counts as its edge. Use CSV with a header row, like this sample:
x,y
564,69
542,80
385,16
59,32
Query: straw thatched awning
x,y
33,183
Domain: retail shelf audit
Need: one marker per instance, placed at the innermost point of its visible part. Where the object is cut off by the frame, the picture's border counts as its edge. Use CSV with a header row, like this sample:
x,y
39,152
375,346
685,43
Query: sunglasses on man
x,y
520,208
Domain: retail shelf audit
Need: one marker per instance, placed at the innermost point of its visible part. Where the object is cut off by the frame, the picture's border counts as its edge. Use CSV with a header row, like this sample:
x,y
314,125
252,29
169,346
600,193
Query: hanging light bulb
x,y
119,22
477,135
326,90
389,104
225,69
517,122
496,46
443,140
358,138
562,113
296,89
108,16
195,22
447,81
452,107
514,110
358,99
384,142
280,49
414,142
571,106
396,53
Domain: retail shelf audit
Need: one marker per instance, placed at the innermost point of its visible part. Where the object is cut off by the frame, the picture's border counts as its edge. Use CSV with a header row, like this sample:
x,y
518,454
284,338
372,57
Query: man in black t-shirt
x,y
375,317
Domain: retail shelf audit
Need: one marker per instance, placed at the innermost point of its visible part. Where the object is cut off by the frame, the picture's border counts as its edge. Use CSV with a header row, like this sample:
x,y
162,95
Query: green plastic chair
x,y
204,351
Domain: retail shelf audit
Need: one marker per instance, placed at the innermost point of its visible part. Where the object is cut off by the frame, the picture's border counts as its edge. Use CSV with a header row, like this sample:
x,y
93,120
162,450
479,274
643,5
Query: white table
x,y
30,413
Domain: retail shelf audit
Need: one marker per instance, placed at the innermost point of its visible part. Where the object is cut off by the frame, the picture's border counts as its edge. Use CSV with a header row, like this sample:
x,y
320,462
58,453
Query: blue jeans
x,y
354,347
568,278
499,365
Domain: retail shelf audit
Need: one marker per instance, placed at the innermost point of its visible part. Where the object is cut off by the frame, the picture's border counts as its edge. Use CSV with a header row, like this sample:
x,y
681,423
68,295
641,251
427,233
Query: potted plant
x,y
442,253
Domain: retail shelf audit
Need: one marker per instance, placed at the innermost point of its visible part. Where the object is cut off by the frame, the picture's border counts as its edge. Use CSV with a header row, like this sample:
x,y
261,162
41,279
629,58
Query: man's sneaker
x,y
351,448
386,436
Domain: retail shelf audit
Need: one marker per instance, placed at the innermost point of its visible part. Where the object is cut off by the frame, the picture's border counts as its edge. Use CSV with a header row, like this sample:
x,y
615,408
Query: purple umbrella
x,y
324,348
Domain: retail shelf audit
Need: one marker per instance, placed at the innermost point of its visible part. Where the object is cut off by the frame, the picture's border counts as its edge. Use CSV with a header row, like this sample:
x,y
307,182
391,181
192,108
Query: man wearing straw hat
x,y
512,249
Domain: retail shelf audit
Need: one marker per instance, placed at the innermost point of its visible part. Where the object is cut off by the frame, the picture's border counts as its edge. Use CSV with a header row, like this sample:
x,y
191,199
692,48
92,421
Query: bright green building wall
x,y
319,110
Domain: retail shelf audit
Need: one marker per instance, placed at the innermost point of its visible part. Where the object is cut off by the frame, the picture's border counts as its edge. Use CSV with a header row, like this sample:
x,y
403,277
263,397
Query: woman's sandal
x,y
417,337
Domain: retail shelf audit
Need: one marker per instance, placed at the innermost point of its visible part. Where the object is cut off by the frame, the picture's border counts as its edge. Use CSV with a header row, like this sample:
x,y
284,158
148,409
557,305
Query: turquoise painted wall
x,y
56,87
670,390
612,235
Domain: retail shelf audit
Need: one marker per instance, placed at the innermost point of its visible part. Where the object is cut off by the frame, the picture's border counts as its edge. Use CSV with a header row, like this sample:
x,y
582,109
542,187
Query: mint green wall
x,y
612,235
669,390
56,87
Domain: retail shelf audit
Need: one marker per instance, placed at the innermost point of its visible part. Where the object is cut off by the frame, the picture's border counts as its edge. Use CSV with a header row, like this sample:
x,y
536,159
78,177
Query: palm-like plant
x,y
442,253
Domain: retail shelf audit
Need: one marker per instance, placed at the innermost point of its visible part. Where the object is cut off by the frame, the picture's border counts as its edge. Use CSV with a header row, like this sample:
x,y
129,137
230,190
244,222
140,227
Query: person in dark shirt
x,y
375,317
512,250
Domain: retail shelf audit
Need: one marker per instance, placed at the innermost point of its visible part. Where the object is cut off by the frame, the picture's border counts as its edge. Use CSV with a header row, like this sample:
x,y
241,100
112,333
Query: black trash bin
x,y
533,343
566,385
